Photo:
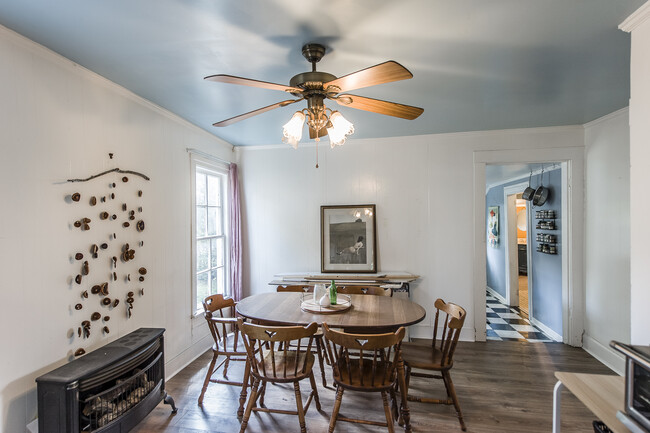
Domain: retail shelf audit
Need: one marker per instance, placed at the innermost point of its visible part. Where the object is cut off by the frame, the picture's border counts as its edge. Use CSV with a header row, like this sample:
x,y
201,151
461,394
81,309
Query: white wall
x,y
607,236
60,121
423,187
639,25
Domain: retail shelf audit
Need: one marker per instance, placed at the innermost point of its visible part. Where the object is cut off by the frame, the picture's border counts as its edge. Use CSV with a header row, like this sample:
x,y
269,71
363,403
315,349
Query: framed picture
x,y
348,238
493,226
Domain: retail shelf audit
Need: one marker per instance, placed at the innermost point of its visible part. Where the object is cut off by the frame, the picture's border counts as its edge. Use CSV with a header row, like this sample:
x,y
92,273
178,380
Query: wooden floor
x,y
502,386
523,293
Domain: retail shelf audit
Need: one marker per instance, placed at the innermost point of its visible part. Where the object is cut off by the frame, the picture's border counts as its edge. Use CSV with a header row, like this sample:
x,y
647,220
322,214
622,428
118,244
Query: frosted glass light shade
x,y
339,130
292,130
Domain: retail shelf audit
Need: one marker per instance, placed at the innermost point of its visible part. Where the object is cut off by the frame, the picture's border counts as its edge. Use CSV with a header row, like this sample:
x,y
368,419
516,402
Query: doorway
x,y
571,246
524,280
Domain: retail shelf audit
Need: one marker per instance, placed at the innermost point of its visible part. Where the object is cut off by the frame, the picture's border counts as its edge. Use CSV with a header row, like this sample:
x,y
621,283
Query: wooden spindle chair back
x,y
365,290
322,354
367,363
219,312
447,325
439,357
296,288
364,361
279,354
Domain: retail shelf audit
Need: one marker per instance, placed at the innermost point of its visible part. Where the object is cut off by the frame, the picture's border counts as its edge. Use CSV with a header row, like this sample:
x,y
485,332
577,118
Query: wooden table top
x,y
602,394
369,312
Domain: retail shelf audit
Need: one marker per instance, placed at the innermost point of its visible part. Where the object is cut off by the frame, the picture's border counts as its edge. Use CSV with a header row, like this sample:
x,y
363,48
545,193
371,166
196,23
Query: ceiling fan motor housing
x,y
313,52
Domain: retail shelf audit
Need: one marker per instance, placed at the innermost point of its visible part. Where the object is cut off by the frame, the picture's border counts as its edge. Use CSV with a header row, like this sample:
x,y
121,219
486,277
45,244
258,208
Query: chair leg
x,y
312,381
245,384
393,398
407,373
208,375
337,407
452,393
249,406
225,368
301,411
389,416
319,350
262,394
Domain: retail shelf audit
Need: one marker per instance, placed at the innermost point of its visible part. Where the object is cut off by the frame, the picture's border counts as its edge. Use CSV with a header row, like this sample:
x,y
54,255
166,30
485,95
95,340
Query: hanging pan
x,y
528,192
541,193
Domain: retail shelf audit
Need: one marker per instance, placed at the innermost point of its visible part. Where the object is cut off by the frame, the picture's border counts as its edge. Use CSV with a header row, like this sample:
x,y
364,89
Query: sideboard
x,y
399,281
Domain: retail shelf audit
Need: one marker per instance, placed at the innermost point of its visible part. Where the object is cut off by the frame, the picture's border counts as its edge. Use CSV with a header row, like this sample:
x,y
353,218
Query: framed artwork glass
x,y
348,239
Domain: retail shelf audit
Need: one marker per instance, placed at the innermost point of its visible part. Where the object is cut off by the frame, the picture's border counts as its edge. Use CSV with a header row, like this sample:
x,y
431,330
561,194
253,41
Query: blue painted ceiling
x,y
477,65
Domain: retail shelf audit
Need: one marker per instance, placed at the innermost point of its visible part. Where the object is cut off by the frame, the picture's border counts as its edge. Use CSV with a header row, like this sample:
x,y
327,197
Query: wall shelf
x,y
546,242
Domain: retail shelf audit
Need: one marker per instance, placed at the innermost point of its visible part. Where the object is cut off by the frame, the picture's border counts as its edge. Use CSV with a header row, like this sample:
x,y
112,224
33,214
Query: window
x,y
210,232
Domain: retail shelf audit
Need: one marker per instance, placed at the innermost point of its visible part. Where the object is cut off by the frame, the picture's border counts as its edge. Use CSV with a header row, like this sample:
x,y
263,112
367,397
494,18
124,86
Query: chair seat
x,y
288,360
423,356
229,347
356,380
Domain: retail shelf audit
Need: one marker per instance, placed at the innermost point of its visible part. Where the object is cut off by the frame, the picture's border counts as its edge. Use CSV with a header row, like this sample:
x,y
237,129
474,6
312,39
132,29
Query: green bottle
x,y
333,293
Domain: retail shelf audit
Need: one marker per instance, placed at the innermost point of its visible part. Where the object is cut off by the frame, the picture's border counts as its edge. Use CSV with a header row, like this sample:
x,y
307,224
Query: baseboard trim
x,y
497,295
604,354
426,331
183,359
548,331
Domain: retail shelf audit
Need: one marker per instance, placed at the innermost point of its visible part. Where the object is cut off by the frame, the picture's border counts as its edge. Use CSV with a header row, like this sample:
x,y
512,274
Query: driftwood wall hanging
x,y
107,270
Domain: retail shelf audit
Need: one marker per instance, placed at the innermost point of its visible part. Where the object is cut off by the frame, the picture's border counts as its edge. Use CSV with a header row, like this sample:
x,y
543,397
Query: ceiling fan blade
x,y
231,79
379,106
255,112
322,133
378,74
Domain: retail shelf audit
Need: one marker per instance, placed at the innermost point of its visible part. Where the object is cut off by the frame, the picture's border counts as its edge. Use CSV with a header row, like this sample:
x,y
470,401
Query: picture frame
x,y
348,239
493,226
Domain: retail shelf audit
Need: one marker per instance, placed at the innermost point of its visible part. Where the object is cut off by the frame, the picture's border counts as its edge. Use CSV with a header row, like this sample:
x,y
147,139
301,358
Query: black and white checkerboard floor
x,y
506,323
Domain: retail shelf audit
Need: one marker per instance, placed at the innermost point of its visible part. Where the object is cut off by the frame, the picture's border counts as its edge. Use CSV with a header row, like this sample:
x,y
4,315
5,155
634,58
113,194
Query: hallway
x,y
506,323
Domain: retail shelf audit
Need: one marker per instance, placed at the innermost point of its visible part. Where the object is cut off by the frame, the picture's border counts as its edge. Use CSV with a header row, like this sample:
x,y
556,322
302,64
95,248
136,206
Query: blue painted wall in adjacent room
x,y
545,269
496,257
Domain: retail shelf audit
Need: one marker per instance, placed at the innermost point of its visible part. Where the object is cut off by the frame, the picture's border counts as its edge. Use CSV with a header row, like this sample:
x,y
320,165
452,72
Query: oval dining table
x,y
368,314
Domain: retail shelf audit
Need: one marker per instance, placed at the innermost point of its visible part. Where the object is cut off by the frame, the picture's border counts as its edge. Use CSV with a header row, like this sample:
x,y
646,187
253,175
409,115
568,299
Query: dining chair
x,y
227,341
318,338
439,355
364,363
365,290
272,359
296,288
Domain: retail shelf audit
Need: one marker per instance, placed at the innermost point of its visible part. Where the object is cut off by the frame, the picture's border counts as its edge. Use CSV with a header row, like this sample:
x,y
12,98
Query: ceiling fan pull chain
x,y
317,142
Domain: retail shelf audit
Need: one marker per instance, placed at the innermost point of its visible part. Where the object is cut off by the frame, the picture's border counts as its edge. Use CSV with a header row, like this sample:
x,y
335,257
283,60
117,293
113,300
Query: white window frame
x,y
206,165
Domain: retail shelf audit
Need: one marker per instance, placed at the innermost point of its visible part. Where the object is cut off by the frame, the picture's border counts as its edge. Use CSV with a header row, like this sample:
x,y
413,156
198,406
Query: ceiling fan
x,y
315,87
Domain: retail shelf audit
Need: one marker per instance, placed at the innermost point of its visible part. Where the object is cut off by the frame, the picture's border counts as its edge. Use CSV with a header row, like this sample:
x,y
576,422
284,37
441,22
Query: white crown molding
x,y
623,111
285,146
77,69
637,18
485,133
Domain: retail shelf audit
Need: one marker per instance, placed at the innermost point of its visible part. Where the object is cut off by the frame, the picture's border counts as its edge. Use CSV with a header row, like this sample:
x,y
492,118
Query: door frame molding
x,y
507,191
571,246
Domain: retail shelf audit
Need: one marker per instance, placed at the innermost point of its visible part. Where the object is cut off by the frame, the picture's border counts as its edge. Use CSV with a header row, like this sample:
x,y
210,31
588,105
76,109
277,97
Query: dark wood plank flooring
x,y
502,386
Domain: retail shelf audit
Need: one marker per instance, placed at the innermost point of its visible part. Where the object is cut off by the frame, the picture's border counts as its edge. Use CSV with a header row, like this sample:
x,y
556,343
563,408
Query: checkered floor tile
x,y
506,323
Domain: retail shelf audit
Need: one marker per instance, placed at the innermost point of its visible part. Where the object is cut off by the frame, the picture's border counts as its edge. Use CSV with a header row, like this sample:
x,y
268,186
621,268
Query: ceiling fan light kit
x,y
315,87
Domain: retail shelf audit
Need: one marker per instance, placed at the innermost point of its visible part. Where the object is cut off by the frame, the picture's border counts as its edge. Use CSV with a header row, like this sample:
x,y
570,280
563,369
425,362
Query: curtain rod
x,y
207,155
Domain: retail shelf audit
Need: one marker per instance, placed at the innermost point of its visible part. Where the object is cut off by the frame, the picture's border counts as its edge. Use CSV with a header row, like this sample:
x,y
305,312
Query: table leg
x,y
557,394
404,409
